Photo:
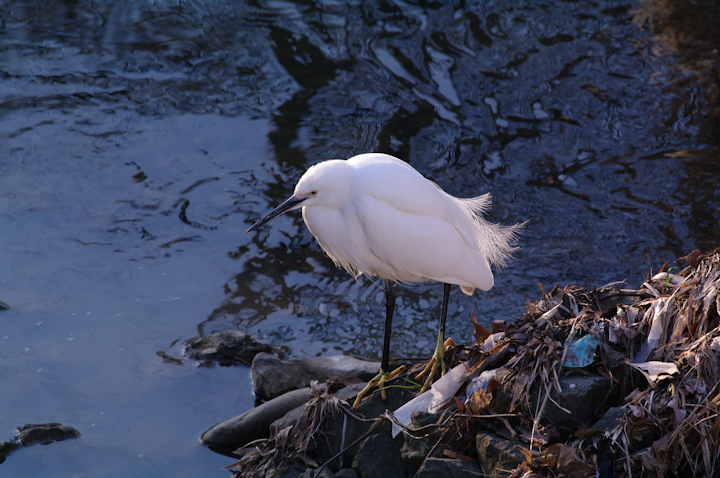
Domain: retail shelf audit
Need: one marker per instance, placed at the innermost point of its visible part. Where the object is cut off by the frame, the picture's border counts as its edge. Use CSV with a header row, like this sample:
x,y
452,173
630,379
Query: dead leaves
x,y
478,402
661,341
268,458
670,335
481,333
556,460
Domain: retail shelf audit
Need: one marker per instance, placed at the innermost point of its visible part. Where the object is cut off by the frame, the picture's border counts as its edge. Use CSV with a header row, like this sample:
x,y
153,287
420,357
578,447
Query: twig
x,y
342,442
495,415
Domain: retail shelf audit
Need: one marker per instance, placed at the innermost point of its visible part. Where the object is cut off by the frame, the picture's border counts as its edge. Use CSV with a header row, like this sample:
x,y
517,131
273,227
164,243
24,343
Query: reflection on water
x,y
688,33
558,116
140,139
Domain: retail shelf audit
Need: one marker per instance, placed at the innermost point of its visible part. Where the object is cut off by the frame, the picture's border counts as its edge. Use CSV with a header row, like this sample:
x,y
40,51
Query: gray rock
x,y
496,453
255,423
6,447
346,473
583,395
230,345
45,433
287,420
448,468
32,434
290,418
273,377
504,393
379,456
291,472
324,473
642,437
415,450
610,420
347,430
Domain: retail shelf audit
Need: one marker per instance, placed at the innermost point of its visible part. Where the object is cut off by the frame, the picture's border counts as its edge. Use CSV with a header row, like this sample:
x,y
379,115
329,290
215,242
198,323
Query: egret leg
x,y
443,311
383,375
438,358
389,309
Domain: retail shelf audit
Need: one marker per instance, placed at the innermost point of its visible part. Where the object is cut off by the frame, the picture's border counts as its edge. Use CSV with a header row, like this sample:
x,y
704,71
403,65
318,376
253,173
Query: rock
x,y
640,438
497,453
290,418
292,472
324,473
345,432
415,450
323,449
504,393
448,468
287,420
45,433
610,420
273,377
254,423
379,455
346,473
229,346
582,395
6,447
32,434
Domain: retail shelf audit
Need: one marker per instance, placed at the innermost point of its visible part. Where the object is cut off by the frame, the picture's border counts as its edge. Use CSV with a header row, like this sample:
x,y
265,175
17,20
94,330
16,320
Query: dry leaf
x,y
478,401
681,153
480,332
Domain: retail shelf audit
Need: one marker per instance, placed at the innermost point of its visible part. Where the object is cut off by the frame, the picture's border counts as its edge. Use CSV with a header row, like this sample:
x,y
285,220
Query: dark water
x,y
138,141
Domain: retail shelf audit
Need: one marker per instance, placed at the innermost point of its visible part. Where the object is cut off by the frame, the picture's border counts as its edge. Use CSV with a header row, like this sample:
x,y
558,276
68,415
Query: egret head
x,y
325,184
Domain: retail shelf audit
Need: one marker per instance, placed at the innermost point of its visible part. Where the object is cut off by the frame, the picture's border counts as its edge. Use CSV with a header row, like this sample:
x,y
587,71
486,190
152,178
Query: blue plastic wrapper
x,y
581,352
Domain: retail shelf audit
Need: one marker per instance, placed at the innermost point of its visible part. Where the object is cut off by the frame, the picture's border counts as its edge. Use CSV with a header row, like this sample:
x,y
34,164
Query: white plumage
x,y
374,214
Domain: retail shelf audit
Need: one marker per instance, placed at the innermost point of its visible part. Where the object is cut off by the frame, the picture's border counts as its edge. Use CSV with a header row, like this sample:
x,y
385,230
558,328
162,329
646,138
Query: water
x,y
138,141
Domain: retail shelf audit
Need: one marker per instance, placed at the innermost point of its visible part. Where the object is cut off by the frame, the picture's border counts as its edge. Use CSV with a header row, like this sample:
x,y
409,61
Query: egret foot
x,y
378,380
436,361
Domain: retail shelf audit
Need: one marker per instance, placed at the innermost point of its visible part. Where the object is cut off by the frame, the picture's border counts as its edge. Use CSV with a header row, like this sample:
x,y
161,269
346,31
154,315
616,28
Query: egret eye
x,y
313,193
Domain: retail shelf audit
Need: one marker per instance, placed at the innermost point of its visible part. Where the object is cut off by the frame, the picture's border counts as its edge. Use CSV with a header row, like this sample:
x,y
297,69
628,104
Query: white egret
x,y
374,214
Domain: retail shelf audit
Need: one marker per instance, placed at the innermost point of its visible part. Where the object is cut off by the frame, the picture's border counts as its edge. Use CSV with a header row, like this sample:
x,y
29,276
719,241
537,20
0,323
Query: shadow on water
x,y
138,140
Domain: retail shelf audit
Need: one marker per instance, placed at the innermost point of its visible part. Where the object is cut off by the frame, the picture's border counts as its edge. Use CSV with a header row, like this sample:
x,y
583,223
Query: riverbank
x,y
614,381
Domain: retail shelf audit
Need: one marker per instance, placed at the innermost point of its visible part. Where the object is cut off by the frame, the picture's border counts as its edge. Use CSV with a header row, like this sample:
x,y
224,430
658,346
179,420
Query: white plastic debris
x,y
655,371
442,390
481,381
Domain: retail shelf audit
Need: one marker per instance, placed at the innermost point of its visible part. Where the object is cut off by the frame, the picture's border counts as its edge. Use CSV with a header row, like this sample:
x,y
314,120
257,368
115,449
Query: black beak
x,y
290,203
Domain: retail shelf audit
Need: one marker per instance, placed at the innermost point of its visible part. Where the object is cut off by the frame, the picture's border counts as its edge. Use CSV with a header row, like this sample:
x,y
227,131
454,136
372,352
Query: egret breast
x,y
338,238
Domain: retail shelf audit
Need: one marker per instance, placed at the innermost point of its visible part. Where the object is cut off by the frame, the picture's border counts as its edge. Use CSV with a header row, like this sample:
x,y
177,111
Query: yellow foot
x,y
378,380
436,361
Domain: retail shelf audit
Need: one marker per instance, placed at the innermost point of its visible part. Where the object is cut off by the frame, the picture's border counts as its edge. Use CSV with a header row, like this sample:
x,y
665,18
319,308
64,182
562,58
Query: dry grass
x,y
659,344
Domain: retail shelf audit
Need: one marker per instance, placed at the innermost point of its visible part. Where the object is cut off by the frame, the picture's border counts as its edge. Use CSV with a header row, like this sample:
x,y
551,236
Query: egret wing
x,y
415,248
394,182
